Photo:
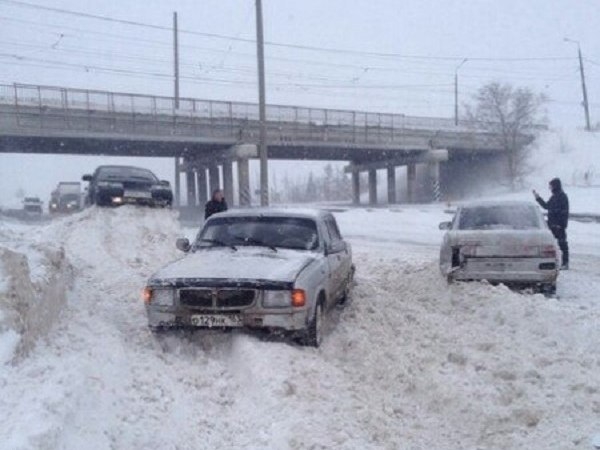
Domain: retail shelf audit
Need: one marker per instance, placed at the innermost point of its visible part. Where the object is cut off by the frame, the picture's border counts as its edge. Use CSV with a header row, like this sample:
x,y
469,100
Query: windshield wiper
x,y
252,240
219,243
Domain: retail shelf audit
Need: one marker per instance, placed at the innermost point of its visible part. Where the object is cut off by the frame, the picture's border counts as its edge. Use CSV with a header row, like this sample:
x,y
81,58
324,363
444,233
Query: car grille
x,y
199,298
234,298
136,186
220,298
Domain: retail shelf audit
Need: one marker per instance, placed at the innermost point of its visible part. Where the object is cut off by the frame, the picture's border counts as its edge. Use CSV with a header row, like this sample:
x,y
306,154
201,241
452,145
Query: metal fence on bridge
x,y
65,103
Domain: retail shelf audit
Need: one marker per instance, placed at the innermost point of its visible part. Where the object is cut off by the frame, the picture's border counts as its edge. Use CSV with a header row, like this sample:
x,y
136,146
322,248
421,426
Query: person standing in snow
x,y
216,204
558,217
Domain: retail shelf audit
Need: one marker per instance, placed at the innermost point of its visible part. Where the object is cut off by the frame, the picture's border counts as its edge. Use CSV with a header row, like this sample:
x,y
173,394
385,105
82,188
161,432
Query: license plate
x,y
216,320
498,265
137,194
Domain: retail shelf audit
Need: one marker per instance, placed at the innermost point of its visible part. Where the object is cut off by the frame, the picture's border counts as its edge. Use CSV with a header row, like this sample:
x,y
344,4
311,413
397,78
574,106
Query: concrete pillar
x,y
355,187
214,178
391,184
228,181
372,186
411,180
244,181
434,176
202,189
191,187
177,187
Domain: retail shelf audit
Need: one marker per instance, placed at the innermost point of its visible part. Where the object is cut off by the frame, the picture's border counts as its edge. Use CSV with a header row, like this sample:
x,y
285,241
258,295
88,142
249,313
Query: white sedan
x,y
501,242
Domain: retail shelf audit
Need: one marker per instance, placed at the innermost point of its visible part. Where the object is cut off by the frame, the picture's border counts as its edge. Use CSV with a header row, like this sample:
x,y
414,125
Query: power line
x,y
284,45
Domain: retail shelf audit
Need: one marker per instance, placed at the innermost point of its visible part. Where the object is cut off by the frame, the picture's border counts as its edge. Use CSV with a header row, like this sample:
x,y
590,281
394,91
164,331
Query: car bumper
x,y
288,320
507,270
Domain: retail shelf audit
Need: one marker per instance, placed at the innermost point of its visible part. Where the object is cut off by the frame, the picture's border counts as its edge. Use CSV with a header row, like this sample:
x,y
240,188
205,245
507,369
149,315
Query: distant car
x,y
66,198
504,242
274,270
118,185
32,207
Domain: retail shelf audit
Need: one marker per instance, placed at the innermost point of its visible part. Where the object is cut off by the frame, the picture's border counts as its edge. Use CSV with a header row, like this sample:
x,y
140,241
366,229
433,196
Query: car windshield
x,y
499,217
274,232
111,173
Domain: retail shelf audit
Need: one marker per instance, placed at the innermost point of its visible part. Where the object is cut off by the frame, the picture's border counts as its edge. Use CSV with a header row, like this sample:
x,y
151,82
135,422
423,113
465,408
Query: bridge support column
x,y
202,190
190,179
434,176
355,187
391,184
228,180
372,186
244,181
214,178
411,179
177,182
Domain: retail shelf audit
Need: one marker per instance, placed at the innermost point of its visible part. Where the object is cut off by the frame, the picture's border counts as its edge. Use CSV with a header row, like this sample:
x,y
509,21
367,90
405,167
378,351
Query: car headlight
x,y
159,297
277,299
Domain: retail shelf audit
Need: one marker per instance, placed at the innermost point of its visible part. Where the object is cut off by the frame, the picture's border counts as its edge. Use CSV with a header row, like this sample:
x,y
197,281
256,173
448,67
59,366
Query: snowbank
x,y
32,295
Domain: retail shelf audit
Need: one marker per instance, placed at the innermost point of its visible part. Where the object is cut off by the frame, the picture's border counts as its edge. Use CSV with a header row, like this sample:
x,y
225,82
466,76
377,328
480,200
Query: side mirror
x,y
87,177
164,183
445,225
183,244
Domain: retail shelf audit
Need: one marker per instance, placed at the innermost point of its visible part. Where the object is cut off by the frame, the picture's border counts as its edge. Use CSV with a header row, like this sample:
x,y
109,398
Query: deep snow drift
x,y
409,363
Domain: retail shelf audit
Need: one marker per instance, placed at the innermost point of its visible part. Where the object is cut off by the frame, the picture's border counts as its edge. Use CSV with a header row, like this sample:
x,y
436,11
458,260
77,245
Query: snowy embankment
x,y
34,278
409,363
574,157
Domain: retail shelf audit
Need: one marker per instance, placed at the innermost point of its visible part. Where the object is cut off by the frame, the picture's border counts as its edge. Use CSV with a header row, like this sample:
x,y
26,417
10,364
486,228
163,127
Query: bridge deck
x,y
88,122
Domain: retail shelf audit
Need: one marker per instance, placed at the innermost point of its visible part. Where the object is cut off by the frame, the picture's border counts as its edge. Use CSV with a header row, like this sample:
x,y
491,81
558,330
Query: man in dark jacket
x,y
558,217
216,204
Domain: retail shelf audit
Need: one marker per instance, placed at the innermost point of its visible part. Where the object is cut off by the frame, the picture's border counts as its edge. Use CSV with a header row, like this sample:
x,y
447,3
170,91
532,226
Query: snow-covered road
x,y
409,363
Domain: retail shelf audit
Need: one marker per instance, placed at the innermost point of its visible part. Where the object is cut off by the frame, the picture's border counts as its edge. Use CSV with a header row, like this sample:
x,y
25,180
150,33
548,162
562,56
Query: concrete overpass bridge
x,y
207,137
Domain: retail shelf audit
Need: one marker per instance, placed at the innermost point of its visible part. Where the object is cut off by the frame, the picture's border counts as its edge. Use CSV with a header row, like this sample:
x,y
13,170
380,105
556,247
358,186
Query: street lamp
x,y
456,90
586,107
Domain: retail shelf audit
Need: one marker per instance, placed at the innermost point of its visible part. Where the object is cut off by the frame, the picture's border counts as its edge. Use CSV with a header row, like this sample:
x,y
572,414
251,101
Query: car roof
x,y
496,203
304,213
114,166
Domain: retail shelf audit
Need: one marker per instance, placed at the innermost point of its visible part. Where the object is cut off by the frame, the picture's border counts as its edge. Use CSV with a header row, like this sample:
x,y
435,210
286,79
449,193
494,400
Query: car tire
x,y
549,290
314,332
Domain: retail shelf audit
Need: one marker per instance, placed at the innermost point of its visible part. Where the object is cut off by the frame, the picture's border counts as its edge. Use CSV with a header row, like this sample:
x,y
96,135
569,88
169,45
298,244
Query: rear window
x,y
513,217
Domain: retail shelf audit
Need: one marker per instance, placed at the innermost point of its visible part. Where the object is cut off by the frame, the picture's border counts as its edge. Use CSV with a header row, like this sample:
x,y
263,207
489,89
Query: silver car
x,y
502,242
259,268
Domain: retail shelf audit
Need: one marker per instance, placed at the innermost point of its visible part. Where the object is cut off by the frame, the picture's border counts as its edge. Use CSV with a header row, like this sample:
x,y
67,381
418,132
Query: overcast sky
x,y
520,42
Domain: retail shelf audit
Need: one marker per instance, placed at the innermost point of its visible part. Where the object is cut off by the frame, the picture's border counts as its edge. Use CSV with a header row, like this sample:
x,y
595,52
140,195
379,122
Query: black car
x,y
118,185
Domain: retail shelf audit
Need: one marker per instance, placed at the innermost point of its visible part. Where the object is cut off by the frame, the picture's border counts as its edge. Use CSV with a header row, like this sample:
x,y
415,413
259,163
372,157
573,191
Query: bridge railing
x,y
67,108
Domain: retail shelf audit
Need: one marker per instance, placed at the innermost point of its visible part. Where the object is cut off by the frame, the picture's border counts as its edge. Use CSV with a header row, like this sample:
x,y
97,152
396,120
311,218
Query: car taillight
x,y
147,295
548,251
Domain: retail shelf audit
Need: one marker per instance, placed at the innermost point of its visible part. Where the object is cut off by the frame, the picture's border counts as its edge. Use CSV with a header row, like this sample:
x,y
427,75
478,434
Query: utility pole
x,y
456,91
262,109
176,101
586,107
176,59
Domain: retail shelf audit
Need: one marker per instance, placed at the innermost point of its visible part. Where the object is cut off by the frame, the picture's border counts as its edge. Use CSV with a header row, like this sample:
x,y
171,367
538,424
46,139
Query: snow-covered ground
x,y
409,363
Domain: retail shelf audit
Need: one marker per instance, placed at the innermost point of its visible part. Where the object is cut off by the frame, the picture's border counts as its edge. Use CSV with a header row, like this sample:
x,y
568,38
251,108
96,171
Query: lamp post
x,y
586,107
456,91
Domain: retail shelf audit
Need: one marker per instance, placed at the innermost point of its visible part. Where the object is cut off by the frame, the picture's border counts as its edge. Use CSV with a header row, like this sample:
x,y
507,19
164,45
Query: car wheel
x,y
549,290
314,332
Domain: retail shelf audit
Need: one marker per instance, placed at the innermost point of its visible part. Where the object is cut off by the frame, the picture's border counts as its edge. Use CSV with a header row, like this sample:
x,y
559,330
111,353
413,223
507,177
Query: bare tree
x,y
513,114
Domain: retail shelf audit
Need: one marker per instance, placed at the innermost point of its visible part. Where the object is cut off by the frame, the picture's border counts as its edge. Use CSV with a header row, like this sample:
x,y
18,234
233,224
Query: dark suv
x,y
119,185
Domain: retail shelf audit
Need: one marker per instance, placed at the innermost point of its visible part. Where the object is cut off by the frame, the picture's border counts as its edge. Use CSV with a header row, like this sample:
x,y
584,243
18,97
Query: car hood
x,y
227,265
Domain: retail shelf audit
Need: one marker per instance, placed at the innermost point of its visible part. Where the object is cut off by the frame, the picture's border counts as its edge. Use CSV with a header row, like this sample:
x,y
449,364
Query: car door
x,y
336,258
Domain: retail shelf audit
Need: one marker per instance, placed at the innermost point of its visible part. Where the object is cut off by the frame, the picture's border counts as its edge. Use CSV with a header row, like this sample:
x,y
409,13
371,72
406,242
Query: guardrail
x,y
27,98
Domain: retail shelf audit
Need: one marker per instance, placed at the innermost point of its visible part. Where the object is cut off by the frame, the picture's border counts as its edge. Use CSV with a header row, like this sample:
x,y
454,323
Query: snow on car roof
x,y
493,203
307,213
